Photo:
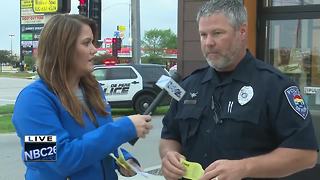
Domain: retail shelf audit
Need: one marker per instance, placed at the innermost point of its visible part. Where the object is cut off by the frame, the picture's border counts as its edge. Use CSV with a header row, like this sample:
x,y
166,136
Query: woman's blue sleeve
x,y
36,113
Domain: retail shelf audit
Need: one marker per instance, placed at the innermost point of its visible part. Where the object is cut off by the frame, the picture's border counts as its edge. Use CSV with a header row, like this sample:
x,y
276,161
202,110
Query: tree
x,y
152,59
156,40
6,57
30,61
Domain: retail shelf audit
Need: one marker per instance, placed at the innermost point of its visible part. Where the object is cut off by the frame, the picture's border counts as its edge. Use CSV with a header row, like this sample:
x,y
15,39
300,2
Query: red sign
x,y
171,51
127,50
108,40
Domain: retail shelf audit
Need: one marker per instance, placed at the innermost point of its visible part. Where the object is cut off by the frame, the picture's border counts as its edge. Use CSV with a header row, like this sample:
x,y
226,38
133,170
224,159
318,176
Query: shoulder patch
x,y
296,101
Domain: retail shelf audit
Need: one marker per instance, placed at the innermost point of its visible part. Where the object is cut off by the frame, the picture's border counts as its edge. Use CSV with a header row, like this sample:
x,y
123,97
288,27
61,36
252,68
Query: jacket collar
x,y
240,73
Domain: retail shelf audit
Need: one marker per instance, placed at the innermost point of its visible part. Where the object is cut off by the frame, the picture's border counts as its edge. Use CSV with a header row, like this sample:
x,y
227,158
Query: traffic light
x,y
116,46
95,14
118,43
83,7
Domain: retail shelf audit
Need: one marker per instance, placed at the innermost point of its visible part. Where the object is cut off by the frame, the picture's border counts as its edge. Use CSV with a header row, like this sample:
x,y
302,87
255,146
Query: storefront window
x,y
273,3
294,48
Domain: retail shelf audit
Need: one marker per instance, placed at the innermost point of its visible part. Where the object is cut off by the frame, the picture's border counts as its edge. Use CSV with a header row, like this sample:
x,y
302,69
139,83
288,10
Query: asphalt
x,y
10,88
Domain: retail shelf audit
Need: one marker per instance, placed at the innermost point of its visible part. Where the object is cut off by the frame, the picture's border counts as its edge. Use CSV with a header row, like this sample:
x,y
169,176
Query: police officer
x,y
240,117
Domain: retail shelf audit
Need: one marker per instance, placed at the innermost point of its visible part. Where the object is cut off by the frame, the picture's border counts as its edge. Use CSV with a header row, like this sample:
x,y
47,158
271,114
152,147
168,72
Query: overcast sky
x,y
161,14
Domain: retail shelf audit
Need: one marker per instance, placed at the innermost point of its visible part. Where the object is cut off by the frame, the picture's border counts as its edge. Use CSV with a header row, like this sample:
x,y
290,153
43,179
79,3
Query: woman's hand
x,y
142,124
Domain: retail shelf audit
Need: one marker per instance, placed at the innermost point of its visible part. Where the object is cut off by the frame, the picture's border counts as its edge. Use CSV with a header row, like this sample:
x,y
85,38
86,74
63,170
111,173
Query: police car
x,y
131,85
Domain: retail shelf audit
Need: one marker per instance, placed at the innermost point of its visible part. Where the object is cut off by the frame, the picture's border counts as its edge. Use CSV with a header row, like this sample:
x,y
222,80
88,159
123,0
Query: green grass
x,y
17,74
6,124
5,119
7,110
129,111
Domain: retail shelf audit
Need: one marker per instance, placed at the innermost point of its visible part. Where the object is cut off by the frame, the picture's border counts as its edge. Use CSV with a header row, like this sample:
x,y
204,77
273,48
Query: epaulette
x,y
269,68
196,71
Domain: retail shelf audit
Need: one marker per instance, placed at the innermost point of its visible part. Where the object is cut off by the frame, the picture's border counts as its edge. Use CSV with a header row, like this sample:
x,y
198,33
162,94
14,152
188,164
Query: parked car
x,y
131,85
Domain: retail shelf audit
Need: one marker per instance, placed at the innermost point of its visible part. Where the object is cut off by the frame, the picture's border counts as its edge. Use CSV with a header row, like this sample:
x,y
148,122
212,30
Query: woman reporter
x,y
69,103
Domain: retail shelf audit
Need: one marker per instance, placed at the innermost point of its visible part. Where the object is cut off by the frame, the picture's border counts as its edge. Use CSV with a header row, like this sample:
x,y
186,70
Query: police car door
x,y
122,82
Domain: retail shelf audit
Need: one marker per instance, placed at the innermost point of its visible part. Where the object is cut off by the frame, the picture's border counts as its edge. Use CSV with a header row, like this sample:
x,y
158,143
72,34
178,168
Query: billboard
x,y
31,25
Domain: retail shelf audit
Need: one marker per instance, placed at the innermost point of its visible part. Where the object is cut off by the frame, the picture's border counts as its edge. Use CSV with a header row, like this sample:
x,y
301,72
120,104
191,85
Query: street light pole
x,y
135,31
11,36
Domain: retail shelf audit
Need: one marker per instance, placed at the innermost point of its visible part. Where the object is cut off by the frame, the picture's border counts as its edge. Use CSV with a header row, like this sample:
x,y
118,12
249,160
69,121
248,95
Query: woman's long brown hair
x,y
55,58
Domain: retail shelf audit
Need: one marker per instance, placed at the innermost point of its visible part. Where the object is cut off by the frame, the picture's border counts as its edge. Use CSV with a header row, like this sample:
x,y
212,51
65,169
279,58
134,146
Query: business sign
x,y
33,19
27,12
26,44
40,148
26,52
107,40
116,33
31,23
26,4
35,44
36,37
45,6
311,90
31,27
26,36
121,28
27,47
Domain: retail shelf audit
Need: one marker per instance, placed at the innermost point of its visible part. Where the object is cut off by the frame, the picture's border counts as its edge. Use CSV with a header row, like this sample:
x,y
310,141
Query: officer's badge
x,y
296,102
245,95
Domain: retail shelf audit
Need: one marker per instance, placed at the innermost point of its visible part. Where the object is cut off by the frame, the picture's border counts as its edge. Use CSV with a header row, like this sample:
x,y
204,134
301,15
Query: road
x,y
10,88
10,161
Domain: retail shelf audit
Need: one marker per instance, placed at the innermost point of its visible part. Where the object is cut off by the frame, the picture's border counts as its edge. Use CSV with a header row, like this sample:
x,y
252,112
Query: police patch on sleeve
x,y
296,102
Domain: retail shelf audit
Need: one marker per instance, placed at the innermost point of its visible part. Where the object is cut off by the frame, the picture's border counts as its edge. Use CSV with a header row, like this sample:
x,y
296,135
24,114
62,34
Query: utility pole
x,y
135,31
11,36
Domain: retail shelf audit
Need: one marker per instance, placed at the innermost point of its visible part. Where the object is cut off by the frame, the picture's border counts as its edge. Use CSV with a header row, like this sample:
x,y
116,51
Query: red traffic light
x,y
82,2
116,46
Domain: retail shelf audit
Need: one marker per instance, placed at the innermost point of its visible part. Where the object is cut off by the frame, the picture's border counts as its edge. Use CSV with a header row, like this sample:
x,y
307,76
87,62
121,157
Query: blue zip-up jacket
x,y
82,152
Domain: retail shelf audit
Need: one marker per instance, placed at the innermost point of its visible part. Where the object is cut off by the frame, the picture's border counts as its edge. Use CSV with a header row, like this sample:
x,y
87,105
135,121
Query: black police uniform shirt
x,y
251,112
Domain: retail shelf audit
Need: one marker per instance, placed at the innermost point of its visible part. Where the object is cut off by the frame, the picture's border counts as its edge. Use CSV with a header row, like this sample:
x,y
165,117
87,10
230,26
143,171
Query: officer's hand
x,y
224,170
142,124
172,169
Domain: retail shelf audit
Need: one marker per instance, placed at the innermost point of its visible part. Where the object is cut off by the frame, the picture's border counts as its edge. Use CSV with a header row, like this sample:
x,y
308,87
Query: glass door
x,y
293,46
288,37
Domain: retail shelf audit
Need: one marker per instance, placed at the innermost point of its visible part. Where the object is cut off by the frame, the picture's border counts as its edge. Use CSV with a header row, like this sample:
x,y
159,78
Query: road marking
x,y
8,100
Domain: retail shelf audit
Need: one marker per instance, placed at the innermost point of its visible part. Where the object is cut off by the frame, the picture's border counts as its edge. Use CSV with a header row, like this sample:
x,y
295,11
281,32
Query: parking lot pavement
x,y
10,162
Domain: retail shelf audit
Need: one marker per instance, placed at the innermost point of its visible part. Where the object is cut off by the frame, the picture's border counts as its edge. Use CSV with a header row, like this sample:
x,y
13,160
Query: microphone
x,y
168,85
